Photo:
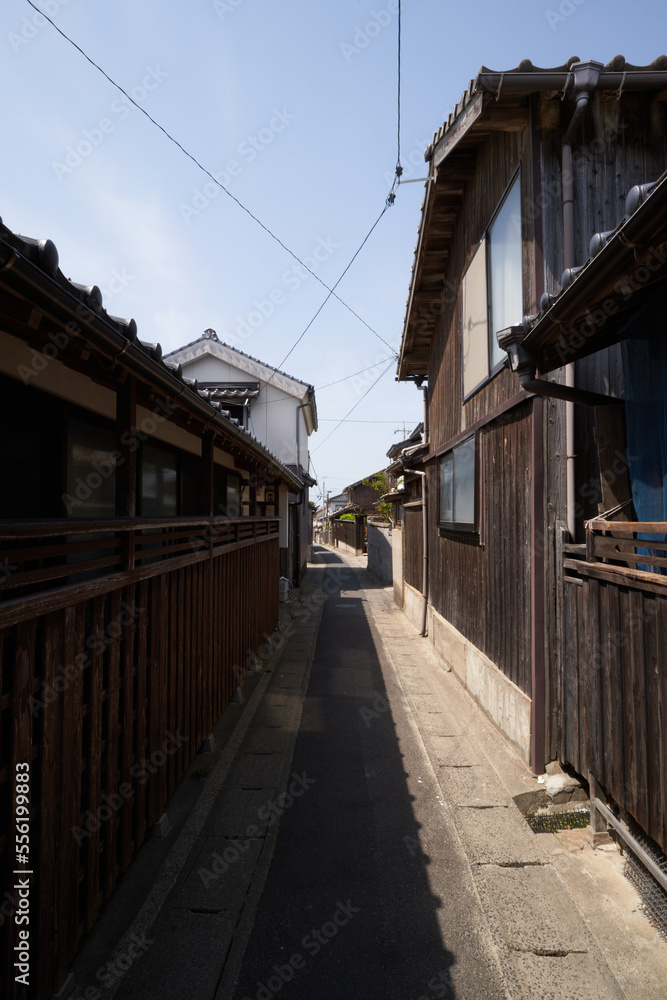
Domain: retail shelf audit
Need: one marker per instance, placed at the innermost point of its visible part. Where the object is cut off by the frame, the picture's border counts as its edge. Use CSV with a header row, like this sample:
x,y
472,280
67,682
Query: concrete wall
x,y
397,563
505,703
380,552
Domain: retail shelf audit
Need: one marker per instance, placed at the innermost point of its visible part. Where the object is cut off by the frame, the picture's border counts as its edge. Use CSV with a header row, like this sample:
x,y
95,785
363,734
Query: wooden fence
x,y
413,549
614,689
348,535
109,684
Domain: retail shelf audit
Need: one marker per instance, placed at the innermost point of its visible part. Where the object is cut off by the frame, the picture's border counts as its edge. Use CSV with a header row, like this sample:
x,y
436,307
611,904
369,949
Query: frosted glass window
x,y
475,323
457,485
505,269
447,487
464,482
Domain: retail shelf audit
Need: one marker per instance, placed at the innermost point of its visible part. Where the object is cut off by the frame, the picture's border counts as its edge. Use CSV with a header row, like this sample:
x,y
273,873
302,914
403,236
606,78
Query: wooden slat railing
x,y
107,689
616,628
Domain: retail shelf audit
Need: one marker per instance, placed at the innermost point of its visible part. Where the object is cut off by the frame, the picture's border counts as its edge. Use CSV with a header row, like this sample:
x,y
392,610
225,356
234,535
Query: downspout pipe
x,y
586,76
301,406
418,472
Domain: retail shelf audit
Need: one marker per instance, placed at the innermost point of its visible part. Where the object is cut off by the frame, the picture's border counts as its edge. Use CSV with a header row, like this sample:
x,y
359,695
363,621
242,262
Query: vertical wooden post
x,y
537,546
126,467
596,832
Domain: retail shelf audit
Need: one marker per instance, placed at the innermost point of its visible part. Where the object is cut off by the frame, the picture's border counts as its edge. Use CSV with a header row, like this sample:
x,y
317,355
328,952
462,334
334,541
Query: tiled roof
x,y
204,338
43,254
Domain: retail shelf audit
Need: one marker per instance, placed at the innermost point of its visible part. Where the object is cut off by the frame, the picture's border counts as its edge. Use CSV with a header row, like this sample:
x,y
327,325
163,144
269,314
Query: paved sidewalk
x,y
356,837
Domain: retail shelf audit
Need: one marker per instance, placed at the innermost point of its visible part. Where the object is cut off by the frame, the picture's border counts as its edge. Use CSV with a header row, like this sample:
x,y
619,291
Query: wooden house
x,y
281,412
348,534
533,314
129,608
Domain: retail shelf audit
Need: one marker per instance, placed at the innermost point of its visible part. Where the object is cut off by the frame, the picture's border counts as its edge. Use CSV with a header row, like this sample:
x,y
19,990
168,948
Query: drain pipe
x,y
586,75
418,472
424,389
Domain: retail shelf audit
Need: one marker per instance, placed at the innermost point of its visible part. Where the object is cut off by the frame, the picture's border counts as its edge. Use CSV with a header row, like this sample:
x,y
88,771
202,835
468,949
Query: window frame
x,y
471,529
484,246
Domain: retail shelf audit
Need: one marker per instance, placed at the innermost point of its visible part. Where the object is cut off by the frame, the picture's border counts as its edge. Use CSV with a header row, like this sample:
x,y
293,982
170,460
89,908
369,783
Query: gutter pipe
x,y
586,76
99,332
418,472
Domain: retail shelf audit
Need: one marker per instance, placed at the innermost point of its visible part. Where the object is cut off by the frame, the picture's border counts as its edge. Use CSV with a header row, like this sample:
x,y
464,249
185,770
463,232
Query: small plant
x,y
381,483
200,774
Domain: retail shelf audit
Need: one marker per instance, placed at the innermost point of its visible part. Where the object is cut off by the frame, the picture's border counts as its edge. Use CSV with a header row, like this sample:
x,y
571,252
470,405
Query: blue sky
x,y
292,103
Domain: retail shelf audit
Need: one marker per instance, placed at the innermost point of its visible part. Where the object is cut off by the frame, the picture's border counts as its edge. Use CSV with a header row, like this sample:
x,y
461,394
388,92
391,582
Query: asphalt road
x,y
368,894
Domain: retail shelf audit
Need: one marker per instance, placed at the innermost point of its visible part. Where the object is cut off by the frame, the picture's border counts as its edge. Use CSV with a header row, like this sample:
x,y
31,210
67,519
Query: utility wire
x,y
398,154
332,292
384,372
344,420
338,381
209,174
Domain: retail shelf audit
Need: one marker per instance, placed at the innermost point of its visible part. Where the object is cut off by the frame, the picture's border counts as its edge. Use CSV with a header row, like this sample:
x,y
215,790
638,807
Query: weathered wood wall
x,y
413,561
483,587
108,697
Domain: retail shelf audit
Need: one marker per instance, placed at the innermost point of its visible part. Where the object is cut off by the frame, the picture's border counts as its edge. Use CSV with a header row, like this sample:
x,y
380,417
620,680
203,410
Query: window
x,y
492,292
159,482
91,458
457,487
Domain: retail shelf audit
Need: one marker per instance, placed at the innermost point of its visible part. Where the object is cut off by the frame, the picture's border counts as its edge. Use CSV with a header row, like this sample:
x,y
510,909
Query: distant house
x,y
130,606
349,533
536,313
279,411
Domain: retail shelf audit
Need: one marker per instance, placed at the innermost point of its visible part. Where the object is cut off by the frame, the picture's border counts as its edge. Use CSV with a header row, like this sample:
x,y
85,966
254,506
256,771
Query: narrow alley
x,y
348,839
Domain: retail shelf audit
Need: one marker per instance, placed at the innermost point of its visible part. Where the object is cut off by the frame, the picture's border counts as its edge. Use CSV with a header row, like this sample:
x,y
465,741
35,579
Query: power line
x,y
210,175
355,405
399,169
338,381
331,420
332,292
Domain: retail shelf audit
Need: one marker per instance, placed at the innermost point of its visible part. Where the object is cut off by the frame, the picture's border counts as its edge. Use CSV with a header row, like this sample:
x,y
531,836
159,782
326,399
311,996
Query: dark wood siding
x,y
484,589
93,687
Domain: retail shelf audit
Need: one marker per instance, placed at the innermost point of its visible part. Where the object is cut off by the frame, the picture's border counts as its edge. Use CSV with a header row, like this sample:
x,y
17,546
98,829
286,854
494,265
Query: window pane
x,y
475,323
464,482
91,470
233,494
505,268
159,482
447,487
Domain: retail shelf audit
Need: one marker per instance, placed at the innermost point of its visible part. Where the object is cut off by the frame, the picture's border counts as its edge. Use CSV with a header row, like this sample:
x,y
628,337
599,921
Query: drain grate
x,y
653,896
550,822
